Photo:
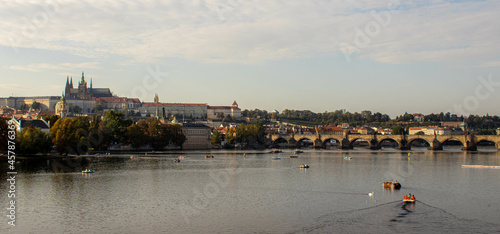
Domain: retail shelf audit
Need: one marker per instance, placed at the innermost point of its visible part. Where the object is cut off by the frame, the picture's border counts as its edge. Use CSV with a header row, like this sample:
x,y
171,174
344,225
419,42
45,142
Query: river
x,y
249,192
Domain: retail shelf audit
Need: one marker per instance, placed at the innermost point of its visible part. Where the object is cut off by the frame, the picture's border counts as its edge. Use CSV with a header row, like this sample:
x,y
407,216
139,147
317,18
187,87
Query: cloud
x,y
59,67
490,64
236,31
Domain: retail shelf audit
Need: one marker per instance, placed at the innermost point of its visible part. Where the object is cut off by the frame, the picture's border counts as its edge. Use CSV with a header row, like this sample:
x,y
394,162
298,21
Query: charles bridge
x,y
346,140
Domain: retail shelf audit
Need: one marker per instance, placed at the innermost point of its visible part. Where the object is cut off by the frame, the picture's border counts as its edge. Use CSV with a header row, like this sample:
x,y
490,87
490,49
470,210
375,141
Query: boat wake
x,y
396,216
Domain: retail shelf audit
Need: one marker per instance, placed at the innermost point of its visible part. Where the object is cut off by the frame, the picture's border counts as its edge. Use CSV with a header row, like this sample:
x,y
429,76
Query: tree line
x,y
485,123
80,134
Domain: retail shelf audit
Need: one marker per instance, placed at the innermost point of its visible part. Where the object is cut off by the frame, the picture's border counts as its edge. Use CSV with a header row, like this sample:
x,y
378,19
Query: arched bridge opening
x,y
305,143
388,143
332,143
280,143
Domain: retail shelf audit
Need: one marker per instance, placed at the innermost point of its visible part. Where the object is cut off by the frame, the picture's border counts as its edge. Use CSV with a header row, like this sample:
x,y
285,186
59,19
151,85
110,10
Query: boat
x,y
88,171
391,185
347,158
276,158
134,156
177,160
180,157
409,199
293,156
276,151
209,156
304,166
297,151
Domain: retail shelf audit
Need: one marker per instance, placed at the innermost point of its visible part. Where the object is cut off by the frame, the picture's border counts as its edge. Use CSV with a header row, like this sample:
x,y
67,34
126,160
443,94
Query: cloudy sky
x,y
387,56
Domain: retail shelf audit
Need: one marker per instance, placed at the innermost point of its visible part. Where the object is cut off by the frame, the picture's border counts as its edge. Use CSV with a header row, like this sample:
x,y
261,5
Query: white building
x,y
216,112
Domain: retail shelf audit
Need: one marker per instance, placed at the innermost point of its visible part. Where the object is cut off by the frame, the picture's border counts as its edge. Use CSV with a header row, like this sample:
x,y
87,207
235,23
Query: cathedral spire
x,y
83,77
71,82
90,83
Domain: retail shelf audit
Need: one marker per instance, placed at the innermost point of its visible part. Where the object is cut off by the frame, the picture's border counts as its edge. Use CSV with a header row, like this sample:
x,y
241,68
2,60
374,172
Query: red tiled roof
x,y
172,104
330,128
118,99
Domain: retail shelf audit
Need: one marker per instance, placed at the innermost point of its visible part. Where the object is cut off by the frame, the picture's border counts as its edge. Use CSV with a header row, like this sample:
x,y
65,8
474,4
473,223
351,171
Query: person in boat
x,y
413,197
406,197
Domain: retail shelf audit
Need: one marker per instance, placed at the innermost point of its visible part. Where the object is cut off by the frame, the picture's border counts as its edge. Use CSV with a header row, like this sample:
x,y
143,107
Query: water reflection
x,y
144,194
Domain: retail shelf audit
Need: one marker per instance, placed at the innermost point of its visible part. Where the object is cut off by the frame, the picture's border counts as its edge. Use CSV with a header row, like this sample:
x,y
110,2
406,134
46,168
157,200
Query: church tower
x,y
82,88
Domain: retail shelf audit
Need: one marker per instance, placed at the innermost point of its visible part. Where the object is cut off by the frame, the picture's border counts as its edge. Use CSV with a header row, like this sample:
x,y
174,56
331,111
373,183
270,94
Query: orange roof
x,y
118,99
330,128
172,104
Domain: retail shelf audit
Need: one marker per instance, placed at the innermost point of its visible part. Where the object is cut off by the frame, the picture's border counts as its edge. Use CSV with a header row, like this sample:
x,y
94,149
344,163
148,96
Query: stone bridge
x,y
375,141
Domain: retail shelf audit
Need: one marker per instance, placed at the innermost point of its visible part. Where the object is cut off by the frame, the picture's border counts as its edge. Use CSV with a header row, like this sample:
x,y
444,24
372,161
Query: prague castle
x,y
83,91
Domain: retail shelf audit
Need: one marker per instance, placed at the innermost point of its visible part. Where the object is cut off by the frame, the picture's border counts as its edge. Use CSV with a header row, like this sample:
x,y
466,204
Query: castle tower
x,y
235,105
82,88
156,99
67,89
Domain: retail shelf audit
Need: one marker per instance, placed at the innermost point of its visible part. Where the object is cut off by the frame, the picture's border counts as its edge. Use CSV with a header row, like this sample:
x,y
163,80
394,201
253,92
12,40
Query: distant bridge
x,y
375,141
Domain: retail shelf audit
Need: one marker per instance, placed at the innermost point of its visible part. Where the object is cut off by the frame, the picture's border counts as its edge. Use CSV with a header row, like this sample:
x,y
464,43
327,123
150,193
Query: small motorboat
x,y
209,156
276,151
276,158
304,166
297,151
391,185
88,171
293,156
409,199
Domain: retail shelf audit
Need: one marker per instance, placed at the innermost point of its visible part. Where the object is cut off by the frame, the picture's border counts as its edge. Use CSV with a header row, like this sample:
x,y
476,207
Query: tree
x,y
216,138
4,129
51,119
398,130
115,125
136,136
178,138
36,105
65,136
32,140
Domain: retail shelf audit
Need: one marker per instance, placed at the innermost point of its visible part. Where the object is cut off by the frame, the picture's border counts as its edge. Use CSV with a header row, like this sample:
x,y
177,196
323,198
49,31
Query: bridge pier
x,y
346,144
436,145
469,146
374,144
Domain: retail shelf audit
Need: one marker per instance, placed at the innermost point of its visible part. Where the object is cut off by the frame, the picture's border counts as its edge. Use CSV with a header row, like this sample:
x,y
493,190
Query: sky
x,y
385,56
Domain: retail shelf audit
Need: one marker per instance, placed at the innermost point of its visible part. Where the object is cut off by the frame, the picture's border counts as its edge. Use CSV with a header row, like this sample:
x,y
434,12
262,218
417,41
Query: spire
x,y
71,82
67,81
90,83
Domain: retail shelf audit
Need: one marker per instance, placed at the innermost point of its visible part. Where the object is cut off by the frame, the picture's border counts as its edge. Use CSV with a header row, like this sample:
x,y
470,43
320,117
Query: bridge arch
x,y
280,142
485,142
449,141
371,141
328,140
421,139
388,139
305,142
